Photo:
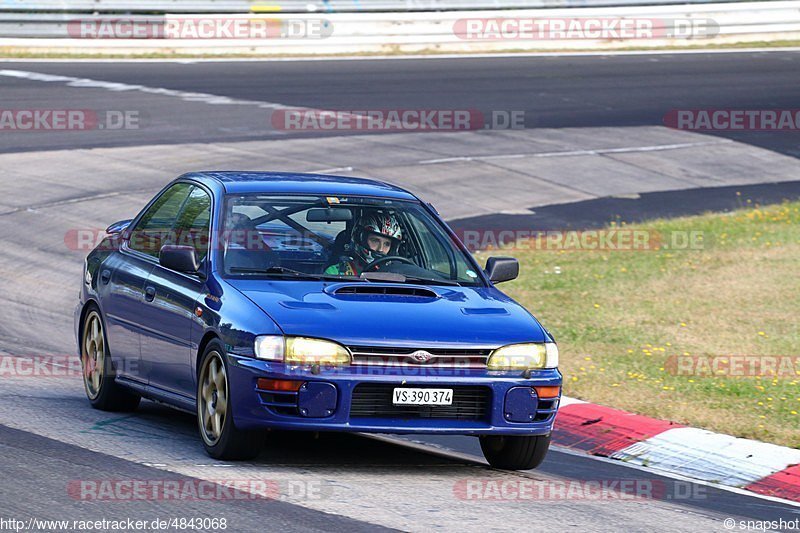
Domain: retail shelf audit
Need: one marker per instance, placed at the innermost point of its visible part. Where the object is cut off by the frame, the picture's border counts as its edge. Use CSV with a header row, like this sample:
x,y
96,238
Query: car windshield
x,y
324,237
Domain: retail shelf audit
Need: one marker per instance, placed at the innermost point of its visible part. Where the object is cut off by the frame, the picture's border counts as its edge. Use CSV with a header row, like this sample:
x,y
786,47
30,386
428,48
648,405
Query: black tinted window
x,y
155,226
193,224
296,235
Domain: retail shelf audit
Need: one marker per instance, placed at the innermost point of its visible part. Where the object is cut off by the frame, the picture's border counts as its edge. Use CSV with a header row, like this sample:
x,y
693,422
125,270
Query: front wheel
x,y
221,438
515,453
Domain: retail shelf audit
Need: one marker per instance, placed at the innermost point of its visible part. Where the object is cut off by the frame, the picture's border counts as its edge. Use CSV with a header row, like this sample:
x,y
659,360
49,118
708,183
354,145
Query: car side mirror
x,y
118,227
179,258
501,269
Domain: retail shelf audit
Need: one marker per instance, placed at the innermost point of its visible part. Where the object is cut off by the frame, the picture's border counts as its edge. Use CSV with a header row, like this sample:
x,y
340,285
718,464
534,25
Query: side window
x,y
436,256
194,221
154,227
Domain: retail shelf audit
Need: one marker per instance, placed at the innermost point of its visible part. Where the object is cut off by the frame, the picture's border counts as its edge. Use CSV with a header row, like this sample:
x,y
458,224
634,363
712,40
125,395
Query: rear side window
x,y
155,226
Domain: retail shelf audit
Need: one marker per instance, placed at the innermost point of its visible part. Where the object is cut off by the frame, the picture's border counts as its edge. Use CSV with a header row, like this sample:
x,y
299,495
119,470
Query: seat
x,y
244,246
339,246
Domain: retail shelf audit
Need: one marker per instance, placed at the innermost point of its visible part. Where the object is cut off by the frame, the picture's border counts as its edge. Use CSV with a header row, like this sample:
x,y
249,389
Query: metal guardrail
x,y
302,6
377,32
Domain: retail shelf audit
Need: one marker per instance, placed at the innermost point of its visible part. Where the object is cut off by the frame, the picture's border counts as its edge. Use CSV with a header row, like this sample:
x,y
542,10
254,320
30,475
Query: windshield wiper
x,y
393,277
278,271
431,281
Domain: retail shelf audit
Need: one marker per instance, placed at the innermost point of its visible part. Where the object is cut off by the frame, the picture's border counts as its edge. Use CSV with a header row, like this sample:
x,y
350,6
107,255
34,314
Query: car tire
x,y
221,438
99,378
515,453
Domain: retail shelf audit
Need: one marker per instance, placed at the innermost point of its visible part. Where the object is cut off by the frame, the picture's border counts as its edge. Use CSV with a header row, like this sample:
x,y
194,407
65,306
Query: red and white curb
x,y
693,453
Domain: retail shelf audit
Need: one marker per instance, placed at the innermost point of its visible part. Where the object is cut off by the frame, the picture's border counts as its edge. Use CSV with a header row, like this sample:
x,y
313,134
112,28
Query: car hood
x,y
432,316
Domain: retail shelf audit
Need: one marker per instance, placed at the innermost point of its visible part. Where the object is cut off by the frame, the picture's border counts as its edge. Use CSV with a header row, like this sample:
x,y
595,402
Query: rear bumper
x,y
326,399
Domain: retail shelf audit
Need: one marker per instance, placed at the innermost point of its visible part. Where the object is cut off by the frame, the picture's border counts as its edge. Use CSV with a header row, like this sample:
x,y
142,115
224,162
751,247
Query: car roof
x,y
300,183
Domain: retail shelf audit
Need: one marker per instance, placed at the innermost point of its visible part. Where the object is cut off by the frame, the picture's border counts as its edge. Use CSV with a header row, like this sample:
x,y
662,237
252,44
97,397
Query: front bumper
x,y
328,399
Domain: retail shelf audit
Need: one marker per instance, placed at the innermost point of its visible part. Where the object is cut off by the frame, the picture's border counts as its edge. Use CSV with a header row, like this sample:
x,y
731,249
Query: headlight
x,y
524,356
269,347
303,350
300,350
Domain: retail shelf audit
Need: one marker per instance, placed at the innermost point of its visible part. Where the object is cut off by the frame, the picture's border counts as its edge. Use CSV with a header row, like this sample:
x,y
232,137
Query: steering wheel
x,y
379,262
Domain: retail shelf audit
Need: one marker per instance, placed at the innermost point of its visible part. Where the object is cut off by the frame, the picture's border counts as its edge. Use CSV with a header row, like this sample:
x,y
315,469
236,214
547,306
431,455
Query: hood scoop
x,y
484,310
305,306
385,290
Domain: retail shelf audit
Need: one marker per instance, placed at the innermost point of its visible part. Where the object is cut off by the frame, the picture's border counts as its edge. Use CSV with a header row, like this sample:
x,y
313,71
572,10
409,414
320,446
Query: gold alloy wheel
x,y
213,401
93,355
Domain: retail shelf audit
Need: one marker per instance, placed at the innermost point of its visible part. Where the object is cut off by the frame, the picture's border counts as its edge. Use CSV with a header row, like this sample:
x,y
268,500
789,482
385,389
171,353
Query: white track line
x,y
186,96
623,150
567,400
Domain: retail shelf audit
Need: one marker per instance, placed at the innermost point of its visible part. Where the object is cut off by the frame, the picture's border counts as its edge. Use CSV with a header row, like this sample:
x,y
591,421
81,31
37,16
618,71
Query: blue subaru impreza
x,y
260,300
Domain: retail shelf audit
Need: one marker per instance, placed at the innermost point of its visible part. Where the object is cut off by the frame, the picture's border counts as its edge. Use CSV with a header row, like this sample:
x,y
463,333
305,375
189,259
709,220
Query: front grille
x,y
375,400
280,402
546,409
441,357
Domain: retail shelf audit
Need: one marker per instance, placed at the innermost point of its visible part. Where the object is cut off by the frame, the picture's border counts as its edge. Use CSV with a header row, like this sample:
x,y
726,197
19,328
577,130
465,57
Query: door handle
x,y
105,276
150,294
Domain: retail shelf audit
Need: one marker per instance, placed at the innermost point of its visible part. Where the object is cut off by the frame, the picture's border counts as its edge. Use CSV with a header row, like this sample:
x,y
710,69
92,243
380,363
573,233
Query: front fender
x,y
243,320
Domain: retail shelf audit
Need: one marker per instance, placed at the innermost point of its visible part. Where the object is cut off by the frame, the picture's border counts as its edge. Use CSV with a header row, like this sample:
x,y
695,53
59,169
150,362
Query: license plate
x,y
408,396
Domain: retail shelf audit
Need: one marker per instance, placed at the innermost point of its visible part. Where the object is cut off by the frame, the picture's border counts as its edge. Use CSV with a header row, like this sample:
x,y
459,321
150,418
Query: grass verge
x,y
621,316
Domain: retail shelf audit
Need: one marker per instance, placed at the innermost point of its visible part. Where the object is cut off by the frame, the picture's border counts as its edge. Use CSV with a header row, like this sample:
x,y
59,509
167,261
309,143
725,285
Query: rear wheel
x,y
98,373
515,453
221,438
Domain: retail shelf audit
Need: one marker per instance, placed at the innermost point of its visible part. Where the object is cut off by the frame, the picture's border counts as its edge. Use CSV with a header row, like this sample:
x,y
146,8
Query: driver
x,y
374,237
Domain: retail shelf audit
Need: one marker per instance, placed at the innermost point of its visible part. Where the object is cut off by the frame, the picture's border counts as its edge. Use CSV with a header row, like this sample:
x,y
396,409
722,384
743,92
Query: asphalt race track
x,y
555,92
594,146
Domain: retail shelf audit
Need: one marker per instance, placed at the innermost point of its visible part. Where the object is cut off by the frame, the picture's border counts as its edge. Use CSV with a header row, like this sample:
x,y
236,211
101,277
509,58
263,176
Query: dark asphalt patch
x,y
599,212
